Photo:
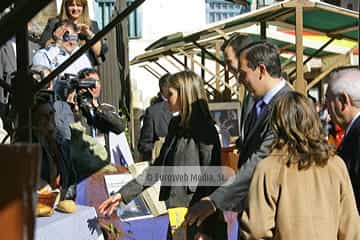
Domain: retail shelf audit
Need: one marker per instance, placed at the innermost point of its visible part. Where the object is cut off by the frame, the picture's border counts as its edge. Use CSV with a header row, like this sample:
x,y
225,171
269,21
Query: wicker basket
x,y
50,199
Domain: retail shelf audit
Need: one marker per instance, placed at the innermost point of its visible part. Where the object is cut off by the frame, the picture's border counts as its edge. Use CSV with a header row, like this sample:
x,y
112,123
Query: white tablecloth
x,y
80,225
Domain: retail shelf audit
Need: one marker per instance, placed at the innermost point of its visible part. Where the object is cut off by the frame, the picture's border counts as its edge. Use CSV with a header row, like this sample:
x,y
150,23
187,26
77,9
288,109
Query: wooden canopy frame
x,y
298,15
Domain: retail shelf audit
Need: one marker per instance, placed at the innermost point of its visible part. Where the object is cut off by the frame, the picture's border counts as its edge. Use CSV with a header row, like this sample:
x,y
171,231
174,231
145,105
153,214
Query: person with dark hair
x,y
155,123
231,49
163,87
301,162
57,169
93,114
76,11
259,70
192,141
343,102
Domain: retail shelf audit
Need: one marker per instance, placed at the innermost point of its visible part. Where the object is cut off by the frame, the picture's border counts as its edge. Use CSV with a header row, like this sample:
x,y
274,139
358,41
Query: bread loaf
x,y
43,210
67,206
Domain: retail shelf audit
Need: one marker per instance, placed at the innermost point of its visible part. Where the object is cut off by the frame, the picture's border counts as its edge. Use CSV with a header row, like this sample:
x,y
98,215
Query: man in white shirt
x,y
65,35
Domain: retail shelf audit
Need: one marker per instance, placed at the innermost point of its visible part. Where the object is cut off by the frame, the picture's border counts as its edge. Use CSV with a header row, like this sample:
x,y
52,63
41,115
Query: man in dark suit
x,y
259,69
156,121
343,101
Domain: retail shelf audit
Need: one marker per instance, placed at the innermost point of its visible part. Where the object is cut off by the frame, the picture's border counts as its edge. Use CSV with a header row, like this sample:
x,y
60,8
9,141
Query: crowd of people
x,y
70,98
291,183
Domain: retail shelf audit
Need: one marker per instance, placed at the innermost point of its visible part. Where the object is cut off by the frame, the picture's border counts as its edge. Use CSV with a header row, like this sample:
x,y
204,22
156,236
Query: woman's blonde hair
x,y
297,126
192,96
84,18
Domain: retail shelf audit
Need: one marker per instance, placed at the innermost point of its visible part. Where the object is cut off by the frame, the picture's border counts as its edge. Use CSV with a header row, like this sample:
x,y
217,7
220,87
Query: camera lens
x,y
66,36
70,37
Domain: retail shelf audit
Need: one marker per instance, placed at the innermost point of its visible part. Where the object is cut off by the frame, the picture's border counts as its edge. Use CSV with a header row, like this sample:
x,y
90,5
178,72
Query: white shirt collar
x,y
270,94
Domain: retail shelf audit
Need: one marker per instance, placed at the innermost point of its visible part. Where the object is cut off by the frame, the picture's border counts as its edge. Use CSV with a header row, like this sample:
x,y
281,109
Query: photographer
x,y
97,118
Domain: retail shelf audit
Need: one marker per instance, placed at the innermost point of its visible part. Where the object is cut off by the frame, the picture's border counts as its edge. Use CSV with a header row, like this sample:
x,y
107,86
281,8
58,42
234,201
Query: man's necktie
x,y
254,115
260,107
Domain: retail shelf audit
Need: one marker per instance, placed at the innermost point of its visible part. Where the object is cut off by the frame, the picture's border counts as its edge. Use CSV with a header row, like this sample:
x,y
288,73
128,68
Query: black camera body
x,y
70,82
73,82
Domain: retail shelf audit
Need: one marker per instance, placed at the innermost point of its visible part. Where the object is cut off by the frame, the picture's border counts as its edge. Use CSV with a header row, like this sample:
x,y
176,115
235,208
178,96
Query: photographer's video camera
x,y
71,82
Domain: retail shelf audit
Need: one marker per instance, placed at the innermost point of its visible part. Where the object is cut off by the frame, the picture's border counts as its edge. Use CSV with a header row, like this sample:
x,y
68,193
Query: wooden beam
x,y
295,3
215,58
23,83
343,30
287,62
340,60
184,64
161,66
300,84
217,65
263,30
203,63
283,17
153,69
283,48
146,67
222,33
172,63
314,54
195,62
321,76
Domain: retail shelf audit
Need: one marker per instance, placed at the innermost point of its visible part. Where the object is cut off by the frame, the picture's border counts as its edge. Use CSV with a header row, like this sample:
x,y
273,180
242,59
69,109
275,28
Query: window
x,y
217,10
104,9
135,22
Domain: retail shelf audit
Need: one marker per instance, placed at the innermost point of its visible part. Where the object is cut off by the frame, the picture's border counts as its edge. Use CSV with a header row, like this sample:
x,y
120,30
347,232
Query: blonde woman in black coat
x,y
192,140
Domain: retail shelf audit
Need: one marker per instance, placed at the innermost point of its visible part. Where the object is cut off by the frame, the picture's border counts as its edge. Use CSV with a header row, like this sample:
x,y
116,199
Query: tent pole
x,y
22,83
203,63
300,84
161,66
263,30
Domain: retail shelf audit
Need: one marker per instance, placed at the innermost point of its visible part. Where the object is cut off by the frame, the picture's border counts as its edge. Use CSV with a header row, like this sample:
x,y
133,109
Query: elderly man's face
x,y
335,108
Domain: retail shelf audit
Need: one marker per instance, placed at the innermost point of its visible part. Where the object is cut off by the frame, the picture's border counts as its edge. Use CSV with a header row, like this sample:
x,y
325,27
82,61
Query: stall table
x,y
81,225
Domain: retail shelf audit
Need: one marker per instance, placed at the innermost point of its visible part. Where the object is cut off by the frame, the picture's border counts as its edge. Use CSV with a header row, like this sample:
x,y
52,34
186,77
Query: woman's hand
x,y
108,206
85,30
